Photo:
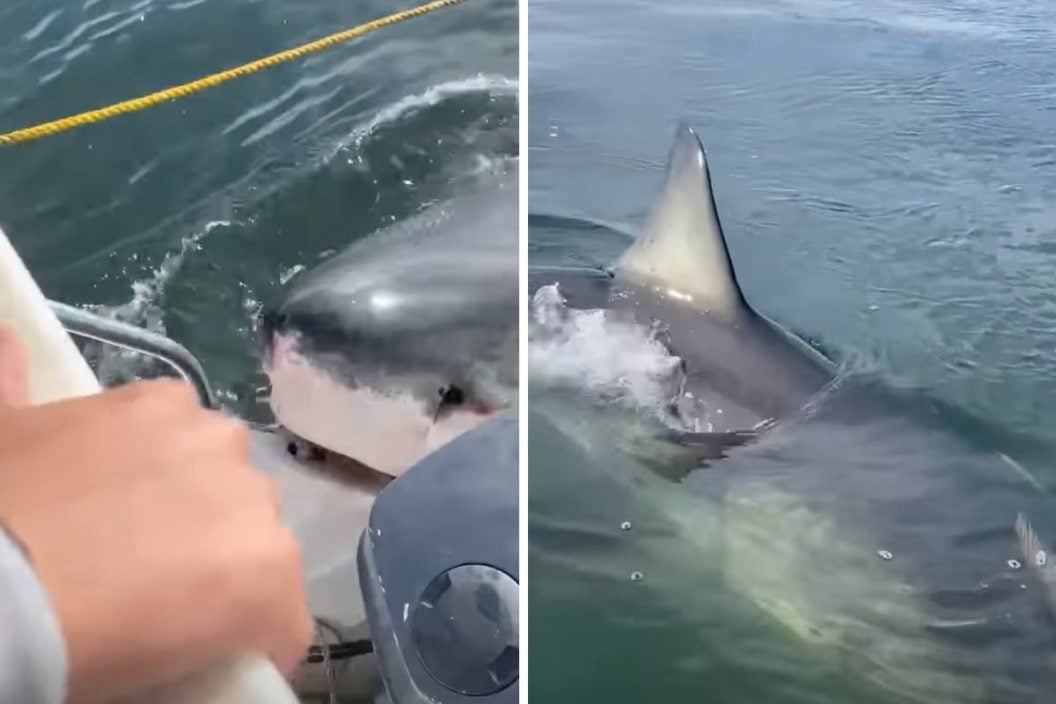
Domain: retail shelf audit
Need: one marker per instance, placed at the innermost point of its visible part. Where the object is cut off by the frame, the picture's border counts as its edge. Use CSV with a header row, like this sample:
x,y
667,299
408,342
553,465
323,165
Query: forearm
x,y
32,650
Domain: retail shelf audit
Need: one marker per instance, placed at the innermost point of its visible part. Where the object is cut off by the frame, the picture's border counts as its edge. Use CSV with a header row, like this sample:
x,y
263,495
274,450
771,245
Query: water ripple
x,y
73,36
39,28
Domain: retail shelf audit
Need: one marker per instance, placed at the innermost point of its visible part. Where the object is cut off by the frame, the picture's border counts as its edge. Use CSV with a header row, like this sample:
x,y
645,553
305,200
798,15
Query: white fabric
x,y
32,650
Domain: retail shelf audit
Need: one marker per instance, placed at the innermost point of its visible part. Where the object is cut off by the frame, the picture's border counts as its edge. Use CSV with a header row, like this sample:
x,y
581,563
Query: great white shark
x,y
853,516
405,339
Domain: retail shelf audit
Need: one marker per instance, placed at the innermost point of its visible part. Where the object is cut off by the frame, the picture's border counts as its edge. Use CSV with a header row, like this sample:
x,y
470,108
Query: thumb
x,y
14,369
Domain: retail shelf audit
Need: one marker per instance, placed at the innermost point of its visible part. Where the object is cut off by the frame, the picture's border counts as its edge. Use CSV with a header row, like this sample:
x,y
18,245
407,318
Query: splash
x,y
145,308
615,361
114,365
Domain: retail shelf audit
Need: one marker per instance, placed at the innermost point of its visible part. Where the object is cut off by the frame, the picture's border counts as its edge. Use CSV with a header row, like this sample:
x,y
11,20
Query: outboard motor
x,y
438,567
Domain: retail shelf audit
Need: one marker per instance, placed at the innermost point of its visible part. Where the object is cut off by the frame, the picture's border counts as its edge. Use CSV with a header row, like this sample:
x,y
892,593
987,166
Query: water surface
x,y
189,216
886,176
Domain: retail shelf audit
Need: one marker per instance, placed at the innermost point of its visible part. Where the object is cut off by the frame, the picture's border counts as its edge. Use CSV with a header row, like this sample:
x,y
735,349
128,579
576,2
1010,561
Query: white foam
x,y
489,165
177,6
615,360
286,274
40,27
481,83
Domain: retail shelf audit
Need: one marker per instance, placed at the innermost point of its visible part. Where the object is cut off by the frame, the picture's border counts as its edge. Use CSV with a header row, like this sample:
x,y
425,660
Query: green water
x,y
886,175
187,217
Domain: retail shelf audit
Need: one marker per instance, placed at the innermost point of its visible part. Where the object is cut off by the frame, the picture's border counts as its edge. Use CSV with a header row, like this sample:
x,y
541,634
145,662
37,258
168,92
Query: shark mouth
x,y
332,463
385,430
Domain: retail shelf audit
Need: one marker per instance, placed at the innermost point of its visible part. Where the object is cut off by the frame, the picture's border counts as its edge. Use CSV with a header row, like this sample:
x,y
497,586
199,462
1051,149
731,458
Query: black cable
x,y
342,650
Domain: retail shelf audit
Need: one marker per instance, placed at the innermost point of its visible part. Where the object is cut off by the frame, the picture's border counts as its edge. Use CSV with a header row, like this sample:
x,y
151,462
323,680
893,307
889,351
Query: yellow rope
x,y
68,123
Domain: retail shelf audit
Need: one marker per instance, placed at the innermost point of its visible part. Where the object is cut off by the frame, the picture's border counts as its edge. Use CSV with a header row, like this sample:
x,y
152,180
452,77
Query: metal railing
x,y
82,323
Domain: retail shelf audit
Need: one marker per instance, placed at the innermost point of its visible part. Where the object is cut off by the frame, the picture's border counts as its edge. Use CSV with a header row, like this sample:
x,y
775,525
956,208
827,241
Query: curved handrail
x,y
82,323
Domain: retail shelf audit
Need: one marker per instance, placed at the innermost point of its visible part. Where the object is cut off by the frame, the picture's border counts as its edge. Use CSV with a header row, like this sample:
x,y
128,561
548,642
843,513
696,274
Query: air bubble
x,y
626,525
885,554
637,576
1014,564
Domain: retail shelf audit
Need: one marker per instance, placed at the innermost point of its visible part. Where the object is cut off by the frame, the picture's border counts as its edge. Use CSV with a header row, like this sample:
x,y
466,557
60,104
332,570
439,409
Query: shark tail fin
x,y
682,249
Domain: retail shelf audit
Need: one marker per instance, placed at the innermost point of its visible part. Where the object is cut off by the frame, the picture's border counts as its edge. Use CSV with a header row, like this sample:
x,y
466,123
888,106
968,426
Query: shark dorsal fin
x,y
682,250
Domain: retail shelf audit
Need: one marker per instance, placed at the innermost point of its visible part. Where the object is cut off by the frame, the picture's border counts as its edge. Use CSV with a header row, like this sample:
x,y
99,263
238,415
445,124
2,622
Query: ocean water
x,y
188,217
886,176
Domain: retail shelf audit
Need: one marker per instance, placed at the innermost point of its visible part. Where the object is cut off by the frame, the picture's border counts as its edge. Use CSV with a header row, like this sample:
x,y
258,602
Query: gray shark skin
x,y
405,339
679,272
858,518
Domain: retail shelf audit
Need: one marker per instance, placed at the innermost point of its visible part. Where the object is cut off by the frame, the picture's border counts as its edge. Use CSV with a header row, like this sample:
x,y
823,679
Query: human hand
x,y
160,546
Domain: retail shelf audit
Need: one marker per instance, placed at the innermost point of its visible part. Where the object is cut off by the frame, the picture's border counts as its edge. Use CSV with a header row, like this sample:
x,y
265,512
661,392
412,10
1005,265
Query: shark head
x,y
406,339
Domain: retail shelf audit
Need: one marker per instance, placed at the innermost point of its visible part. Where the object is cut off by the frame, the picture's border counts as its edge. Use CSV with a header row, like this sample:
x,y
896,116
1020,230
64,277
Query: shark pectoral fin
x,y
682,250
695,451
716,444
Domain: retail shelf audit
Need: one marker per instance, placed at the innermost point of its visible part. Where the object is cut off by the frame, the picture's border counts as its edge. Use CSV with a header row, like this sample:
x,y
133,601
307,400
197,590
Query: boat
x,y
413,583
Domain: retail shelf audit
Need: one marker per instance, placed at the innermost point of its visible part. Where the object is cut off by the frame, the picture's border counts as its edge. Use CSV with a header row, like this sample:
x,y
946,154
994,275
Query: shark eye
x,y
452,396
